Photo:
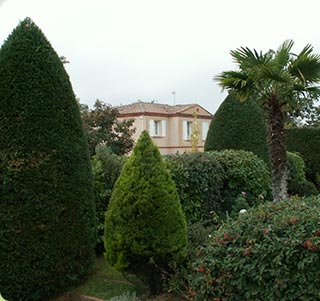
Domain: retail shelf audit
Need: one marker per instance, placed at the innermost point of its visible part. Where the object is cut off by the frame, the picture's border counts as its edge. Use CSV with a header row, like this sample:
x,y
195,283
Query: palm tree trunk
x,y
277,147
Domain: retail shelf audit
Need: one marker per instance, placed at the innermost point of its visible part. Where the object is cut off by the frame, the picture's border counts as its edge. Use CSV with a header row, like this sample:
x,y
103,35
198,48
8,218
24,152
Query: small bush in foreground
x,y
269,253
145,227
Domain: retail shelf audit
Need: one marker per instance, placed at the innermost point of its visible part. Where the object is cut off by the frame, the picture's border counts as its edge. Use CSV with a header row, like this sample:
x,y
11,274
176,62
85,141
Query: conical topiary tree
x,y
145,227
46,198
238,125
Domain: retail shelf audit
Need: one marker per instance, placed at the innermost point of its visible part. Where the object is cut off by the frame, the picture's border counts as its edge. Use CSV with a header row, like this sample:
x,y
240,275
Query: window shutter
x,y
151,127
164,128
185,130
205,128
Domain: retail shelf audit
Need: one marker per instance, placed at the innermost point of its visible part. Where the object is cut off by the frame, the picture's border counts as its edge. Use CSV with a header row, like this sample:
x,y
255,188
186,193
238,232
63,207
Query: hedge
x,y
47,232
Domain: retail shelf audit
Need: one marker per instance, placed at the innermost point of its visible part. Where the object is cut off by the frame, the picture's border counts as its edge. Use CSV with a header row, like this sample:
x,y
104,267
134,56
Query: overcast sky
x,y
121,51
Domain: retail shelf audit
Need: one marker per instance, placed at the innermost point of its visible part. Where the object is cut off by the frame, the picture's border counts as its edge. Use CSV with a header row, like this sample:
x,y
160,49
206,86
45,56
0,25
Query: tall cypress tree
x,y
238,125
46,198
145,227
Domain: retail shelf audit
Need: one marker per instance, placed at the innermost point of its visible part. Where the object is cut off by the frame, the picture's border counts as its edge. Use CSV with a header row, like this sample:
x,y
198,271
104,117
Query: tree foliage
x,y
46,196
238,125
282,82
145,227
103,127
106,167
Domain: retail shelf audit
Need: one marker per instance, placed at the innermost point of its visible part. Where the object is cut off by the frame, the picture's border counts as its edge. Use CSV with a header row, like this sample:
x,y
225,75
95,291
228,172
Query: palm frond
x,y
247,58
235,80
282,56
306,65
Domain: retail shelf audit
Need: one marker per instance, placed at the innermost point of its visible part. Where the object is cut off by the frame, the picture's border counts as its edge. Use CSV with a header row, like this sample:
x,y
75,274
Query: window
x,y
205,128
157,128
187,129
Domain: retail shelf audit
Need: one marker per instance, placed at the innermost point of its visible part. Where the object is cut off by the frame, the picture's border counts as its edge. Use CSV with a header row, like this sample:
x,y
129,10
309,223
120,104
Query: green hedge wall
x,y
238,125
213,181
306,142
46,194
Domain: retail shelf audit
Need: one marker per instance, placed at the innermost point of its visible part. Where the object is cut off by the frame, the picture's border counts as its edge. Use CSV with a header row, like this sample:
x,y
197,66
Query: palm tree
x,y
282,82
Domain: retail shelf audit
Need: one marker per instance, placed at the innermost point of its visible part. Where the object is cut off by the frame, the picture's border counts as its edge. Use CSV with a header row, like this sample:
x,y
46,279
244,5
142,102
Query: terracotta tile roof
x,y
141,107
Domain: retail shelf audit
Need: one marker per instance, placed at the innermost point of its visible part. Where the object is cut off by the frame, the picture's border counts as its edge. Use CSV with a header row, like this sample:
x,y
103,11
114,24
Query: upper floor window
x,y
205,128
157,128
187,129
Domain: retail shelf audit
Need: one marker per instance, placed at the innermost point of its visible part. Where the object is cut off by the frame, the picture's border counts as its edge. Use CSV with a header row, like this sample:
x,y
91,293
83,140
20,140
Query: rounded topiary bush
x,y
46,195
269,253
306,142
297,182
199,181
238,125
245,175
145,226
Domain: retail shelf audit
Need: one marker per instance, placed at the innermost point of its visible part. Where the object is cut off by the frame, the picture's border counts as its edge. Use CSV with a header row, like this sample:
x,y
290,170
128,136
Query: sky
x,y
122,51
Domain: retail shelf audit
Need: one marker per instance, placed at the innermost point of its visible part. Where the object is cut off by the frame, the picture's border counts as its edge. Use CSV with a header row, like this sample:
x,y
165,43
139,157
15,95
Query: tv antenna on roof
x,y
174,97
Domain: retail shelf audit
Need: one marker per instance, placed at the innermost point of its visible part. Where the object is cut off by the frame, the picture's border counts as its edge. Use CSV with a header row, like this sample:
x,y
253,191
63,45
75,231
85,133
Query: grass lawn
x,y
105,282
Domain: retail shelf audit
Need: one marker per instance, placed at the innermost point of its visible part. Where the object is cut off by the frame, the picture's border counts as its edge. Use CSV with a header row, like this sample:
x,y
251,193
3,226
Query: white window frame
x,y
205,129
187,129
157,128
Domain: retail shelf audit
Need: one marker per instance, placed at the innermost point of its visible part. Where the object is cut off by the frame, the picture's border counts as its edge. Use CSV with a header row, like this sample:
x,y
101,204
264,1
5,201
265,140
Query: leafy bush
x,y
269,253
244,173
306,142
106,168
238,125
199,180
297,182
46,193
145,227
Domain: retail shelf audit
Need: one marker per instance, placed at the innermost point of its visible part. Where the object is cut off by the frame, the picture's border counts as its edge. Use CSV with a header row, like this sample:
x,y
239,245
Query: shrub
x,y
269,253
46,193
306,142
199,180
244,173
297,182
238,125
145,227
106,168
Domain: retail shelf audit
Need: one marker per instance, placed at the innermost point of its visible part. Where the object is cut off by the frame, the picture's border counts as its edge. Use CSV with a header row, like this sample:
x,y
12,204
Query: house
x,y
169,126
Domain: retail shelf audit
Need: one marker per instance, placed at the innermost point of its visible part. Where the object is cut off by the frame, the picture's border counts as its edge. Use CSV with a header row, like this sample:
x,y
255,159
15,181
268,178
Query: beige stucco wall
x,y
173,142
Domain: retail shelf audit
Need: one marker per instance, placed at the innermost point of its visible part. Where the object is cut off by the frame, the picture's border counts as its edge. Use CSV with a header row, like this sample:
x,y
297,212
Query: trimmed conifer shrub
x,y
145,227
238,125
46,195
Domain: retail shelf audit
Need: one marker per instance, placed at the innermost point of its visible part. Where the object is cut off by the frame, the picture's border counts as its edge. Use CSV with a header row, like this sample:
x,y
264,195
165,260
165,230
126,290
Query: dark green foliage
x,y
46,197
306,142
199,181
238,125
106,168
269,253
244,174
213,181
297,182
102,127
145,227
